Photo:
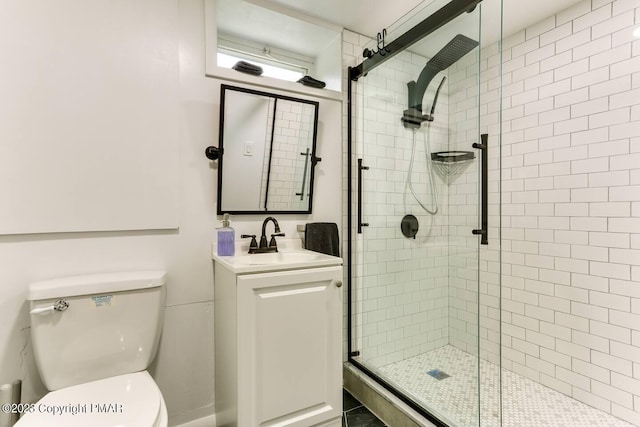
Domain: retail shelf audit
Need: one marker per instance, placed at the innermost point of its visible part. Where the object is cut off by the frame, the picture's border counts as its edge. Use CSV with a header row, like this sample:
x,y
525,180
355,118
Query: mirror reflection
x,y
268,145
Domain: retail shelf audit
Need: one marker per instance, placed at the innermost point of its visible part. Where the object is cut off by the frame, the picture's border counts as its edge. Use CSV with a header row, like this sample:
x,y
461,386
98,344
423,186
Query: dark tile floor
x,y
355,414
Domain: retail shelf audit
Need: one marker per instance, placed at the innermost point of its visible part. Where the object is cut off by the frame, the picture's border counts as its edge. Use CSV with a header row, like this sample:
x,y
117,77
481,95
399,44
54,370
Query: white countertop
x,y
290,256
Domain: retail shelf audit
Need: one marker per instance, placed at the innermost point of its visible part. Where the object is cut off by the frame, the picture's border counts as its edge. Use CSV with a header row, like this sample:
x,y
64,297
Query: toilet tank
x,y
111,326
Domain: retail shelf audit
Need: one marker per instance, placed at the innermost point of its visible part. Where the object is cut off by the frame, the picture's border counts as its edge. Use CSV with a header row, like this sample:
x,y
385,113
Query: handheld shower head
x,y
435,98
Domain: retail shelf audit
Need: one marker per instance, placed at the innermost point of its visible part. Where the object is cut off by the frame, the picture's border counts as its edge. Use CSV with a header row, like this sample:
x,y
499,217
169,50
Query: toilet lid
x,y
131,400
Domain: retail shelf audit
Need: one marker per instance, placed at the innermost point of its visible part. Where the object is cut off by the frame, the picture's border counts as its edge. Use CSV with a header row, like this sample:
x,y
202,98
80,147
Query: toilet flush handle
x,y
60,305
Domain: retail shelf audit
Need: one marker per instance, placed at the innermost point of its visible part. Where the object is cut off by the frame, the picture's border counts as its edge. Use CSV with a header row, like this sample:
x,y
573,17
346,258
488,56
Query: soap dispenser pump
x,y
226,238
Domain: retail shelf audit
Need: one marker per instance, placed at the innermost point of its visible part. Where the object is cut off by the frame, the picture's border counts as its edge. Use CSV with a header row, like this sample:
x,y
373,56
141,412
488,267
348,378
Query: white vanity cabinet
x,y
278,344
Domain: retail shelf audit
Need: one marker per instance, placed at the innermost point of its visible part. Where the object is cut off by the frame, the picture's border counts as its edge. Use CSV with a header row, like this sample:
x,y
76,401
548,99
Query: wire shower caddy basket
x,y
450,164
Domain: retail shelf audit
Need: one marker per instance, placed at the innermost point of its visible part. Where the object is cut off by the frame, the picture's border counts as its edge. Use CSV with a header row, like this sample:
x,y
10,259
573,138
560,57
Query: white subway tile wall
x,y
404,310
292,136
570,173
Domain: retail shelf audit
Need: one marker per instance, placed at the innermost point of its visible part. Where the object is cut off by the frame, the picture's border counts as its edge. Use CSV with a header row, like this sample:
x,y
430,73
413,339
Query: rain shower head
x,y
458,47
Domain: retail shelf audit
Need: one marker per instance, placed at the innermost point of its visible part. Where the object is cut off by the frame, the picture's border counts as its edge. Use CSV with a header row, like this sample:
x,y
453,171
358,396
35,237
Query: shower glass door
x,y
418,323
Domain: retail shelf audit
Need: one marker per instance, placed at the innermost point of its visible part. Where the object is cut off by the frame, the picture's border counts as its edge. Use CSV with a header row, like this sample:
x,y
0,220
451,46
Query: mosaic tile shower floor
x,y
455,400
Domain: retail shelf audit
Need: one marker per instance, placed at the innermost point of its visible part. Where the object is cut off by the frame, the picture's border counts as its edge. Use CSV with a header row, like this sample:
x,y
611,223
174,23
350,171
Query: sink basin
x,y
275,261
280,257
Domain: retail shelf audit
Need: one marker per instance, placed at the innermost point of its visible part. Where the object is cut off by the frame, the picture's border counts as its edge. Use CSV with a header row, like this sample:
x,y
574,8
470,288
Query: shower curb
x,y
379,401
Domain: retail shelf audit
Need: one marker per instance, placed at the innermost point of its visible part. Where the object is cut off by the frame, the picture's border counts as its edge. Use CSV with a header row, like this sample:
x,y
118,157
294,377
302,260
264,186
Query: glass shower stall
x,y
424,307
493,248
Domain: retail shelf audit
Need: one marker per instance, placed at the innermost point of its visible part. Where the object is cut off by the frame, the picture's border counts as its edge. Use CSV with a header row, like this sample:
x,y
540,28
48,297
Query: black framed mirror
x,y
267,152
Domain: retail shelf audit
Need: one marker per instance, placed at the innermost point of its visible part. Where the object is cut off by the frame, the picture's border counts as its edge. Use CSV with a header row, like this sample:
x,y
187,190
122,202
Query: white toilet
x,y
93,337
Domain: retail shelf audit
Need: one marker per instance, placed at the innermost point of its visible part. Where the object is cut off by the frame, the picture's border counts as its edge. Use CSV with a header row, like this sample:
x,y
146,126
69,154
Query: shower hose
x,y
434,209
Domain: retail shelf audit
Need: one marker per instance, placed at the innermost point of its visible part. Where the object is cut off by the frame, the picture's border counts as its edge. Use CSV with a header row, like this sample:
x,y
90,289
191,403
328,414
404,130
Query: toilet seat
x,y
130,400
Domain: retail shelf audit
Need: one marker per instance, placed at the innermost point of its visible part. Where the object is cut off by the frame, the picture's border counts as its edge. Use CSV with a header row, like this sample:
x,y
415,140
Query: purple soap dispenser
x,y
226,238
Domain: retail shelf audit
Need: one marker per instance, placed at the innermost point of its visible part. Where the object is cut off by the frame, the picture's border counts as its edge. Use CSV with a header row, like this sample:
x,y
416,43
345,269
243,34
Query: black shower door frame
x,y
438,19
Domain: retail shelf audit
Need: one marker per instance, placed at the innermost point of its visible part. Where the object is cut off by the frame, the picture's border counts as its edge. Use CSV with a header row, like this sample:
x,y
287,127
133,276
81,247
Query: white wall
x,y
82,99
328,66
184,366
246,122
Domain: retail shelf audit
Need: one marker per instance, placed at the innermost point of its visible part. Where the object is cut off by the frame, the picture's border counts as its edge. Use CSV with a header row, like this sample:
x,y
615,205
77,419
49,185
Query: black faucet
x,y
272,246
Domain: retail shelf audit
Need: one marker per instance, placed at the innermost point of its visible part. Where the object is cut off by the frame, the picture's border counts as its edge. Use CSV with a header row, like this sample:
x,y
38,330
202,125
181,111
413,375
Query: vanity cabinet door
x,y
289,347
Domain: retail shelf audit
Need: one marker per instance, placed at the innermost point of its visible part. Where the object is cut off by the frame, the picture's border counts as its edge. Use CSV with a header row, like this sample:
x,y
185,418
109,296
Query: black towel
x,y
322,237
246,67
311,82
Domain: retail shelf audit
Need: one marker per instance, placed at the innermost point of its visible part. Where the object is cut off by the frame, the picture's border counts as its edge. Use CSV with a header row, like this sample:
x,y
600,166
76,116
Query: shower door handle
x,y
304,174
360,223
484,221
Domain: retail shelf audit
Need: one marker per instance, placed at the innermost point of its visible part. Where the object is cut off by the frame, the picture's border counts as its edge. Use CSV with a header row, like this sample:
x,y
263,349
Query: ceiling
x,y
367,17
248,21
266,21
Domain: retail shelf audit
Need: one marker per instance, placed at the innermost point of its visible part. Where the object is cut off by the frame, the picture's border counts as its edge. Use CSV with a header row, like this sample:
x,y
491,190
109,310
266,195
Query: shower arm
x,y
417,89
413,117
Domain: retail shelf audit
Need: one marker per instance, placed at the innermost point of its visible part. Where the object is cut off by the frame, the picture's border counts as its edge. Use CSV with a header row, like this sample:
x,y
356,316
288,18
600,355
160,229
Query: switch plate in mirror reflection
x,y
268,143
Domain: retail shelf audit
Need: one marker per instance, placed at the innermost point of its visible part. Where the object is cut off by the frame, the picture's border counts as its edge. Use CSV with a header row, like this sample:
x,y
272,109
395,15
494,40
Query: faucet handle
x,y
253,245
272,242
